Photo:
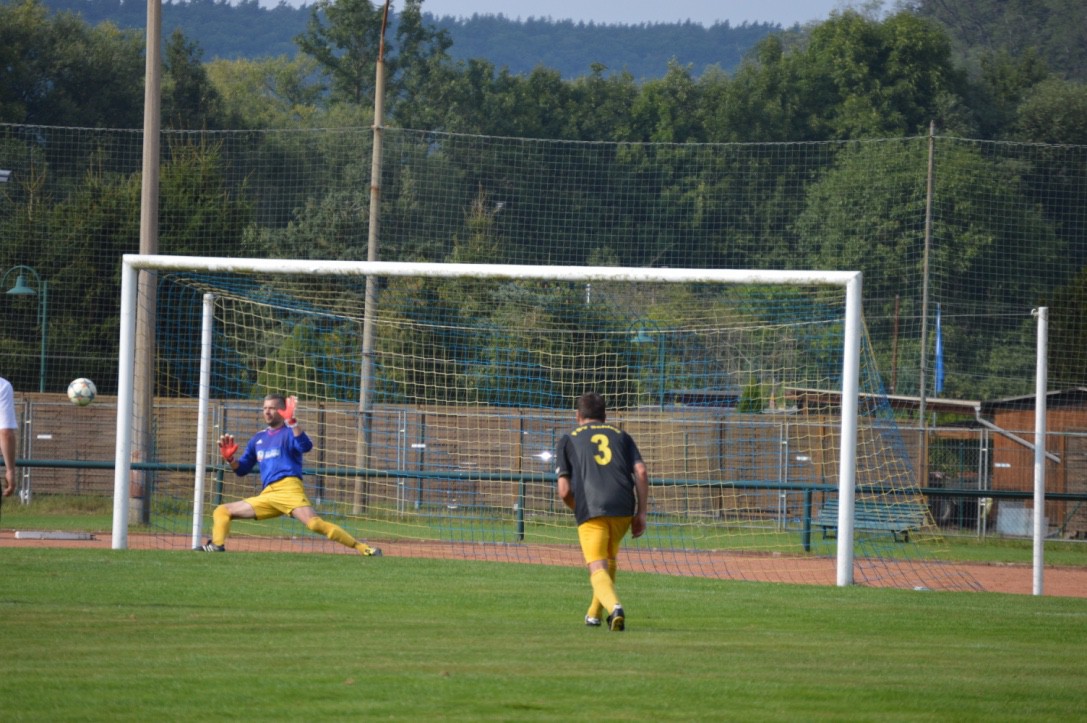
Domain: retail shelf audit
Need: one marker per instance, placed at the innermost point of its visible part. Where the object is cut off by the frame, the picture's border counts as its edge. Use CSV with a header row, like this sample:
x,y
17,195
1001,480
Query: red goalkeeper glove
x,y
288,411
228,448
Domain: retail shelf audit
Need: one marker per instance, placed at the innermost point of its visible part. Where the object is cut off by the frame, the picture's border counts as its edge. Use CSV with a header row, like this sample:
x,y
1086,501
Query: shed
x,y
1066,438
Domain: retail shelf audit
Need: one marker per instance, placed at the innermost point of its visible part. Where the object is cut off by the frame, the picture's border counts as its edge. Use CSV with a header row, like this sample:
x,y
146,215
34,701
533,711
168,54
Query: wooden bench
x,y
873,515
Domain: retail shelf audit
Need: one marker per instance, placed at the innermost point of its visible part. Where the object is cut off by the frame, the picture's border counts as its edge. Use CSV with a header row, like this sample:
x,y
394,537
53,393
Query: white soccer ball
x,y
82,392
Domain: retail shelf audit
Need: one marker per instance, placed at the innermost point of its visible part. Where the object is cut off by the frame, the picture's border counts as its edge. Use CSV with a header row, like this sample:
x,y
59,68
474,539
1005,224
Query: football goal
x,y
435,395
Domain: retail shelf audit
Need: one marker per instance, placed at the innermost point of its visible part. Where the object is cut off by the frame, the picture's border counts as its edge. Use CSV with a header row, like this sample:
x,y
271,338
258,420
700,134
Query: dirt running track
x,y
1004,578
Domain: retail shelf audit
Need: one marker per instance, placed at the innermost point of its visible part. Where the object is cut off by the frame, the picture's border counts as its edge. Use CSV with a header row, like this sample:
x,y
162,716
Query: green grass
x,y
45,512
155,635
1063,553
95,514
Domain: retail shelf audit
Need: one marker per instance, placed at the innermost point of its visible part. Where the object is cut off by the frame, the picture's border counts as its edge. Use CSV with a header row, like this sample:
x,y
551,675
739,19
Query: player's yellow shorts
x,y
279,498
600,537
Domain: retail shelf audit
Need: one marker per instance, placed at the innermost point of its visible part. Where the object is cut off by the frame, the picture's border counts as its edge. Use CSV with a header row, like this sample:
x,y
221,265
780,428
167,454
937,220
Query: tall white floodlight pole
x,y
1041,381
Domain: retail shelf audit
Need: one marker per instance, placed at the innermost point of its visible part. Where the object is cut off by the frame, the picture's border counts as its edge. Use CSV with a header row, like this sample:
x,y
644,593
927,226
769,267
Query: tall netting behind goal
x,y
435,423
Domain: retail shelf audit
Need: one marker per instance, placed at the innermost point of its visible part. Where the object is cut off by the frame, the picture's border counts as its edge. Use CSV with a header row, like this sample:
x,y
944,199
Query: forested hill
x,y
571,48
246,30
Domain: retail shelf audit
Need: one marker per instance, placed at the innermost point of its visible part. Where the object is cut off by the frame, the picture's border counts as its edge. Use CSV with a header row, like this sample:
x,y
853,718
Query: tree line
x,y
850,79
851,76
245,30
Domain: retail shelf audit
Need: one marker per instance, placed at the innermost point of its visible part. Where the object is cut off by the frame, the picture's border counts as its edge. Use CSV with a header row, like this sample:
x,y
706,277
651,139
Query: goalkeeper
x,y
278,451
603,479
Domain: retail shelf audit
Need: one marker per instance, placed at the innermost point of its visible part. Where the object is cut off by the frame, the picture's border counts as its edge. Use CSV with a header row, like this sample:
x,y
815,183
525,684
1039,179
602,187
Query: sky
x,y
633,12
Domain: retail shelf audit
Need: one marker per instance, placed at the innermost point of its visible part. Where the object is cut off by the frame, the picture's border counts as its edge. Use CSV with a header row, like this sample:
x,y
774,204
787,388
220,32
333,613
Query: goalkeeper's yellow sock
x,y
604,589
220,527
331,531
596,608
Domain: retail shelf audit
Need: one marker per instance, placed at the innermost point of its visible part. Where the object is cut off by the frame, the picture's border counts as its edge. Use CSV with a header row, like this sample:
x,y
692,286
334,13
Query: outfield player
x,y
603,479
278,451
8,426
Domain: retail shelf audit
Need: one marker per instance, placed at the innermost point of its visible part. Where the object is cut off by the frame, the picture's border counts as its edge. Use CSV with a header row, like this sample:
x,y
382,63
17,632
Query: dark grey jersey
x,y
599,459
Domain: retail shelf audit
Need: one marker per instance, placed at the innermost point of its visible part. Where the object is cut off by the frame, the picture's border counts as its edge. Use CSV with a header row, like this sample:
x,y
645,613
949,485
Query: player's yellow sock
x,y
596,608
604,589
220,527
331,531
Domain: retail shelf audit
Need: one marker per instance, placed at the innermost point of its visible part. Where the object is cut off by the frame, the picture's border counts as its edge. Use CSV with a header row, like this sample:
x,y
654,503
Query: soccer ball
x,y
81,392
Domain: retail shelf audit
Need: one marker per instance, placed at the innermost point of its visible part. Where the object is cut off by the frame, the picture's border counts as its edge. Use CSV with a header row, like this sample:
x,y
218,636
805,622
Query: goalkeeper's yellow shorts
x,y
600,537
279,498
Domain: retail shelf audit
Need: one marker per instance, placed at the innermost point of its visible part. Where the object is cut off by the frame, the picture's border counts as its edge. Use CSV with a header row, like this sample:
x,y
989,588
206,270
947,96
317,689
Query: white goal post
x,y
850,281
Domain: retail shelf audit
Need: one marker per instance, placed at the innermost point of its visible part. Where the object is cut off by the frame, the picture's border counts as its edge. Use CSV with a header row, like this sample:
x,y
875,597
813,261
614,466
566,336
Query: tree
x,y
865,215
419,63
201,213
59,71
96,223
1001,83
866,78
1068,333
600,106
267,93
1053,111
666,110
1054,31
851,76
474,98
189,98
762,103
345,38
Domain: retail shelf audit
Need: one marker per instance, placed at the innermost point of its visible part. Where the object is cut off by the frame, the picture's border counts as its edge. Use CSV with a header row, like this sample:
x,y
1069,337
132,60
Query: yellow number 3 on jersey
x,y
603,451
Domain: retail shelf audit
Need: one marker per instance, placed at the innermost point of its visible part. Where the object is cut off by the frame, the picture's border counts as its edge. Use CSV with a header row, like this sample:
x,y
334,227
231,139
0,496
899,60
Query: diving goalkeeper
x,y
278,451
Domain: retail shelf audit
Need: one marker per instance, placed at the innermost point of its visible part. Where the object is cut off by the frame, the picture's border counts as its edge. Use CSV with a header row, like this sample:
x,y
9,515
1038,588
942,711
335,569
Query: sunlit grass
x,y
159,635
95,514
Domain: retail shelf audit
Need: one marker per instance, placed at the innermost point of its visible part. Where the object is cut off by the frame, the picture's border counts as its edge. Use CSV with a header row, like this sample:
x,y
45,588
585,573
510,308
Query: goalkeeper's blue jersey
x,y
277,451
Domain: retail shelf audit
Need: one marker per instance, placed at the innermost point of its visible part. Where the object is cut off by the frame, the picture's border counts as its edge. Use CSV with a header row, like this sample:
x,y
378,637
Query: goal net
x,y
436,400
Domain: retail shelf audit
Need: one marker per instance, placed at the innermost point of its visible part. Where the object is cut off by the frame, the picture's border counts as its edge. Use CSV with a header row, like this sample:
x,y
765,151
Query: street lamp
x,y
647,333
20,288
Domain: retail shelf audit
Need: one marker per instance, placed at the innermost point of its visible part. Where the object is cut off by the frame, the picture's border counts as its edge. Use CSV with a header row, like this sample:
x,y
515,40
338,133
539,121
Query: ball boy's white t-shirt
x,y
7,406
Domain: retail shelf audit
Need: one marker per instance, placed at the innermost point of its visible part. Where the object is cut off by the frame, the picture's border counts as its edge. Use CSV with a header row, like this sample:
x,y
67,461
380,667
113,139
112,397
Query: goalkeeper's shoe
x,y
367,551
592,622
617,620
211,547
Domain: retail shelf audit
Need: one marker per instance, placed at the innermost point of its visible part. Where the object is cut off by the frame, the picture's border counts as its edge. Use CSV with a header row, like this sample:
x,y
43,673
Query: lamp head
x,y
20,288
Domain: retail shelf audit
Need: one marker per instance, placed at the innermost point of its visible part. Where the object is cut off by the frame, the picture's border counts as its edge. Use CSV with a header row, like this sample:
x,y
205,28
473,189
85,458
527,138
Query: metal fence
x,y
978,484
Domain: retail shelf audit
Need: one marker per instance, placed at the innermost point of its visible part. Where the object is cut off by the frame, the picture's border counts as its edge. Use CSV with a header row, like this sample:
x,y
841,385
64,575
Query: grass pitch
x,y
155,635
95,514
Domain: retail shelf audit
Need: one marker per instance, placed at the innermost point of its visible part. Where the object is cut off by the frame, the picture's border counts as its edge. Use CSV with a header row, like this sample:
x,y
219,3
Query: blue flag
x,y
939,381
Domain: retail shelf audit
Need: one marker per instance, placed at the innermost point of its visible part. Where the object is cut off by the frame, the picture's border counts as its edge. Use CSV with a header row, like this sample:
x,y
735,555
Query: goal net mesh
x,y
440,441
